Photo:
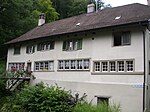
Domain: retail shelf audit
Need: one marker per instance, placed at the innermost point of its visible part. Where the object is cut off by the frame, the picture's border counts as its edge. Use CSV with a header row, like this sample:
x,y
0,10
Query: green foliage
x,y
40,98
88,107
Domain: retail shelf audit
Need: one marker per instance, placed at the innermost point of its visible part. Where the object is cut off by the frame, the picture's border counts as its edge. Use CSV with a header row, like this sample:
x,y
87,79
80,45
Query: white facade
x,y
124,88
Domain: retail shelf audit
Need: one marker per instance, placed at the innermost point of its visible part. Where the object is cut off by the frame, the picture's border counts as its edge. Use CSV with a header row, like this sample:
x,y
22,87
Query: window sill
x,y
116,73
45,71
73,70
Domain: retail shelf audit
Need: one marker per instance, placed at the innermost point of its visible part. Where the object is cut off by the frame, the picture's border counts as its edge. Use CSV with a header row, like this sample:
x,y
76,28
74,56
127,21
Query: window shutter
x,y
64,46
52,44
38,47
33,49
79,44
27,49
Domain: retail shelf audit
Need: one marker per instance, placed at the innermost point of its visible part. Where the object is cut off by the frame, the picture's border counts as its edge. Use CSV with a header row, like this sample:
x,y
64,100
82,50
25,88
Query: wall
x,y
126,89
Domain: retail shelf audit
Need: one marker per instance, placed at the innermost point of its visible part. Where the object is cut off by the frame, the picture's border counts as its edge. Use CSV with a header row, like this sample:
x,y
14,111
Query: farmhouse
x,y
105,54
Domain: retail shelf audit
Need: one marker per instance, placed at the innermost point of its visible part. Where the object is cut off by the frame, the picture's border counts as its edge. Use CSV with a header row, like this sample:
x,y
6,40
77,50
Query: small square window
x,y
103,100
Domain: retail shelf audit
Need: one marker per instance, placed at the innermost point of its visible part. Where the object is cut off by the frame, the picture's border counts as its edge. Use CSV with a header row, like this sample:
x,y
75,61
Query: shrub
x,y
40,98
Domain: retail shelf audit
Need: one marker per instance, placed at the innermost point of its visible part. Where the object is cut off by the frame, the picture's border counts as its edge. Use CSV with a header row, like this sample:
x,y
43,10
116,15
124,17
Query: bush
x,y
104,107
40,98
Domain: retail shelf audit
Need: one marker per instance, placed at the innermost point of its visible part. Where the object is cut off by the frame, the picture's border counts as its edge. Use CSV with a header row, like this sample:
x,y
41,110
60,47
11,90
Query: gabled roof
x,y
121,15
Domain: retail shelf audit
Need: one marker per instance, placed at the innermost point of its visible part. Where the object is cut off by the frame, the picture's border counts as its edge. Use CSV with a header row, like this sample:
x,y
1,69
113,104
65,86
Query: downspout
x,y
144,110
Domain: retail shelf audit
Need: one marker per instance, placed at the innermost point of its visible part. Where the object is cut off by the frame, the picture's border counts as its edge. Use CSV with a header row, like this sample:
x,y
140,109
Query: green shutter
x,y
64,46
27,51
33,49
79,44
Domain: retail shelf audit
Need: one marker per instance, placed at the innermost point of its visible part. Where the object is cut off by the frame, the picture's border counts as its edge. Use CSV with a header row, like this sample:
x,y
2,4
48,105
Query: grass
x,y
87,107
2,66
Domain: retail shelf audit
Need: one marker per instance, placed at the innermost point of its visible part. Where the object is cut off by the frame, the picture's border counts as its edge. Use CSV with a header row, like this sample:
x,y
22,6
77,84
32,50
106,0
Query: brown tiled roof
x,y
131,13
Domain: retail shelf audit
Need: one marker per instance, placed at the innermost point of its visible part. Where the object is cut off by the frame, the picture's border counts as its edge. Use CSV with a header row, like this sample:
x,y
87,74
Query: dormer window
x,y
71,45
122,38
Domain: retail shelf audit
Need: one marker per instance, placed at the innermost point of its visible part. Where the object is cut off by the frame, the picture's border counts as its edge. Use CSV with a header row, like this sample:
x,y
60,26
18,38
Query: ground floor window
x,y
113,66
44,66
77,64
103,99
16,66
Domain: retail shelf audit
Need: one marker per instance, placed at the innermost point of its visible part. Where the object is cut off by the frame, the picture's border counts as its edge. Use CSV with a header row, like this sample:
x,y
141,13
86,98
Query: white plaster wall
x,y
128,96
124,89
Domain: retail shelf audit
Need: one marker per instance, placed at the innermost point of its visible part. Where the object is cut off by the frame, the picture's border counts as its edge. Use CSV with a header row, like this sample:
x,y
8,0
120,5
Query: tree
x,y
19,16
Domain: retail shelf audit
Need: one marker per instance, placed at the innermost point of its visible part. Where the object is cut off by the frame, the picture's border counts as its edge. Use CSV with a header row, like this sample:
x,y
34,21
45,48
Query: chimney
x,y
148,2
91,8
41,19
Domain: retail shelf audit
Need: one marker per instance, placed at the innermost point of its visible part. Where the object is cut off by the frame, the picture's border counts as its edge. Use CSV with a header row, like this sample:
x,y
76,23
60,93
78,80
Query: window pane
x,y
17,50
129,65
117,39
104,66
73,64
120,65
51,65
61,64
86,64
96,66
126,38
79,64
112,66
67,64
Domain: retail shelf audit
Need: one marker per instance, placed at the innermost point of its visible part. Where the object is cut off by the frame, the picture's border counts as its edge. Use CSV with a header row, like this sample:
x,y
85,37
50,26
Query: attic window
x,y
118,17
78,24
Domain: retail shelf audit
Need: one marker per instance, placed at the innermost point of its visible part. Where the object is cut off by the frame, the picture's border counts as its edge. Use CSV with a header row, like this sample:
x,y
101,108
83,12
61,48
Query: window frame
x,y
44,66
30,49
121,37
76,67
17,50
46,46
72,45
16,66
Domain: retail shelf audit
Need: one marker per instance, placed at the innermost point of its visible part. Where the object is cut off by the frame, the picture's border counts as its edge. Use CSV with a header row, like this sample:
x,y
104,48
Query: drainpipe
x,y
144,110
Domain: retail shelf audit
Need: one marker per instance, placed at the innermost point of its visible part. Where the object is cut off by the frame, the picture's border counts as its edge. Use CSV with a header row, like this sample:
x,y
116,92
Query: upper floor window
x,y
122,38
30,49
45,46
17,50
71,45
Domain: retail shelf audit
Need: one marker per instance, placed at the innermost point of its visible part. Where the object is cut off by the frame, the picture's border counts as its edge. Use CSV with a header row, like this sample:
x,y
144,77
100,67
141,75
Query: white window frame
x,y
78,64
16,66
44,66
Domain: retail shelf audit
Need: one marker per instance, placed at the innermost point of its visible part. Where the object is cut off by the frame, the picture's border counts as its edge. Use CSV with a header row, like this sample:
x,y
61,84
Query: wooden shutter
x,y
79,44
64,45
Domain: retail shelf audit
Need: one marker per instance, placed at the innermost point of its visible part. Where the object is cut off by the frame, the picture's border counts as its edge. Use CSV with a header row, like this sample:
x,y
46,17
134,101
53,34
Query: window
x,y
71,45
30,49
129,65
44,66
96,66
121,66
17,50
122,38
114,66
104,66
45,46
16,66
103,99
80,64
